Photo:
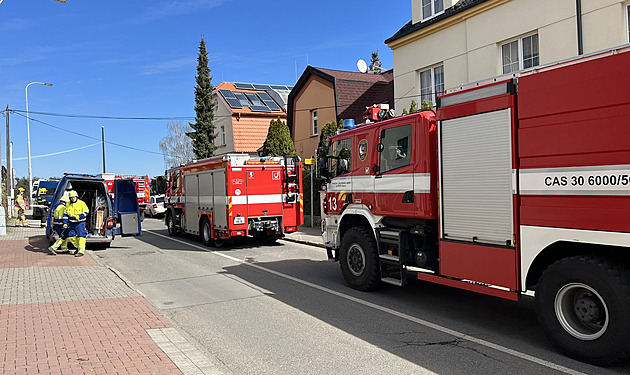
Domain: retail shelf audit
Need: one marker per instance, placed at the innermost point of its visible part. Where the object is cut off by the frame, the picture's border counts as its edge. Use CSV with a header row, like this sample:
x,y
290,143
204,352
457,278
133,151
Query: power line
x,y
104,117
93,138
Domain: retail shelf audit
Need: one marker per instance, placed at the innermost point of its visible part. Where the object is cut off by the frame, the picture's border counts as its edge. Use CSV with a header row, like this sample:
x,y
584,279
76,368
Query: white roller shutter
x,y
476,178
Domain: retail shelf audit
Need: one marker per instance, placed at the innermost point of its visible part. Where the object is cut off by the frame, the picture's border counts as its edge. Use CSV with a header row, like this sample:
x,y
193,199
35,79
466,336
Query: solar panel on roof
x,y
259,108
262,87
278,87
269,102
247,86
234,103
241,96
226,93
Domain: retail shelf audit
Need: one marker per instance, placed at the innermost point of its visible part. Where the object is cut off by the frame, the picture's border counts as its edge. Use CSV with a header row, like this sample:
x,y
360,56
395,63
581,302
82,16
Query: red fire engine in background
x,y
518,184
143,187
235,195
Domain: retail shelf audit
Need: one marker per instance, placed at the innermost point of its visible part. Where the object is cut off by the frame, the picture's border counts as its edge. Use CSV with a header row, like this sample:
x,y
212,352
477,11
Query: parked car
x,y
108,217
156,206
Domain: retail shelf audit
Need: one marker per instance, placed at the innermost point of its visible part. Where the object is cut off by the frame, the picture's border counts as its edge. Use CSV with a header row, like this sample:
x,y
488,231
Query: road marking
x,y
399,314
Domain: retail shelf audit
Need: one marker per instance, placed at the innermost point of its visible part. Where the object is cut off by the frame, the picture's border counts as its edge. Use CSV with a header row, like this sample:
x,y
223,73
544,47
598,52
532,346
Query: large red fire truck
x,y
143,187
517,184
235,195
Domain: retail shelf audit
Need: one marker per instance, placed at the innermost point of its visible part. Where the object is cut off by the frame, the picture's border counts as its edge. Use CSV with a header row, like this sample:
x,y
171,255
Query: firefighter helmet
x,y
73,193
64,199
21,189
42,191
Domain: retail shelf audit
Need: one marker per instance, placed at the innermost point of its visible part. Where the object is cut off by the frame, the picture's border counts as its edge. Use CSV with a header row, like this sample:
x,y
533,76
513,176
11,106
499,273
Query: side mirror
x,y
380,147
376,169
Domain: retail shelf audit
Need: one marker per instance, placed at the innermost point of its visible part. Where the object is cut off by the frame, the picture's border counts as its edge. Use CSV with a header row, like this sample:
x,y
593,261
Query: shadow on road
x,y
507,323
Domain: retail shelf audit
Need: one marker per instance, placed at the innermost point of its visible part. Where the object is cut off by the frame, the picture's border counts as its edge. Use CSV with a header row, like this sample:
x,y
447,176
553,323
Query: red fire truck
x,y
518,184
143,187
235,195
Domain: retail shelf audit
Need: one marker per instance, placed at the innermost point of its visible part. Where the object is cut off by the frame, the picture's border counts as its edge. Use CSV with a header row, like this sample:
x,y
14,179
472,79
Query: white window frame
x,y
314,123
521,60
222,137
434,90
627,6
433,13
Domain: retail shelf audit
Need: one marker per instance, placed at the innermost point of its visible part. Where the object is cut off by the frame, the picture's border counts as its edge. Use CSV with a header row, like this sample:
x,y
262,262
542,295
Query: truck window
x,y
175,180
342,156
396,148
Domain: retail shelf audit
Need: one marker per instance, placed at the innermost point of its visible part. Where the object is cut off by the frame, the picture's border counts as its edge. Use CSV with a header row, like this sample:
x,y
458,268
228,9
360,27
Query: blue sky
x,y
138,59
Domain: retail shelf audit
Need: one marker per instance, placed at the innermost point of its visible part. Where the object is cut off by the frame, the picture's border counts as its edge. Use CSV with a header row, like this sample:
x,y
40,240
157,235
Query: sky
x,y
137,59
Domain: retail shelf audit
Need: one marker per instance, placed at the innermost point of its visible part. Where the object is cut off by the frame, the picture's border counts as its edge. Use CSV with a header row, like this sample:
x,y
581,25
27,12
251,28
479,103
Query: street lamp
x,y
28,141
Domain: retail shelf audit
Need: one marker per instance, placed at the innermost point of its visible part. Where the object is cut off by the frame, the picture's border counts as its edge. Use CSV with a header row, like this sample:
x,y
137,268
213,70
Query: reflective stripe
x,y
257,199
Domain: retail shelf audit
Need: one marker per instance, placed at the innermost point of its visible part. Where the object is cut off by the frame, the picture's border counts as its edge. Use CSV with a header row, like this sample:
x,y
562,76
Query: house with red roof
x,y
243,114
325,95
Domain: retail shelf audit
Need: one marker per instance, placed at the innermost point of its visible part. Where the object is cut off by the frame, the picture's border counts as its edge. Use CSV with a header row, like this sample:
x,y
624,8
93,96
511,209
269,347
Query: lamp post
x,y
28,141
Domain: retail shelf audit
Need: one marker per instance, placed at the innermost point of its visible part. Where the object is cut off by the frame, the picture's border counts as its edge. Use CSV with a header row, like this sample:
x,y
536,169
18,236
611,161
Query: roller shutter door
x,y
476,178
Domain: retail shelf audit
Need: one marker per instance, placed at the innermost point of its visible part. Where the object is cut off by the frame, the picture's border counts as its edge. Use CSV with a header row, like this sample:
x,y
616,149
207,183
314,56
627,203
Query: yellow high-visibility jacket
x,y
76,212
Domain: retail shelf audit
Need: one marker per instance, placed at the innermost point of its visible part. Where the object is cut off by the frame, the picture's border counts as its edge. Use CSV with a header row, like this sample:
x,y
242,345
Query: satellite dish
x,y
362,66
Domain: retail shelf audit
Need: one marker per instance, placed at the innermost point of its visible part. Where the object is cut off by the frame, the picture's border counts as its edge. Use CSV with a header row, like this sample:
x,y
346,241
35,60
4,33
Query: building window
x,y
628,21
520,54
431,8
314,117
222,136
431,84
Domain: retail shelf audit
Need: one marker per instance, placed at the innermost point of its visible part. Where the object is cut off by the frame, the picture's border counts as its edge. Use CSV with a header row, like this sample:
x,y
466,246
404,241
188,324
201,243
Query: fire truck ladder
x,y
391,244
291,181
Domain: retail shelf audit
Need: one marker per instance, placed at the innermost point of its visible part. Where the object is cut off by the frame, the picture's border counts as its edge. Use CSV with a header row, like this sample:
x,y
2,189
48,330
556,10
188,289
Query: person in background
x,y
75,215
60,227
20,206
43,203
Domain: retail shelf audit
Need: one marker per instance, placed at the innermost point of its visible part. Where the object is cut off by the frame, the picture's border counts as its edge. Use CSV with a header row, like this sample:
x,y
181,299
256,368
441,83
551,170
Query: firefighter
x,y
20,206
43,203
60,227
75,215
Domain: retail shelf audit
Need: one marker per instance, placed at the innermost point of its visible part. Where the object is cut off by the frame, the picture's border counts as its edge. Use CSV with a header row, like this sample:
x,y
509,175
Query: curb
x,y
305,242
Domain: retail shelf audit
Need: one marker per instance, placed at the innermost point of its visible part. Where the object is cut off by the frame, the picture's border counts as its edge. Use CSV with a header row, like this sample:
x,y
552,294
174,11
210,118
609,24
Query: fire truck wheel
x,y
359,259
170,225
583,303
206,232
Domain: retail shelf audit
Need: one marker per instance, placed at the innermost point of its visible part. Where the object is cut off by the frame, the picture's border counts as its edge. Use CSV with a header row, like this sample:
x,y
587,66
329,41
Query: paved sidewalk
x,y
66,315
306,235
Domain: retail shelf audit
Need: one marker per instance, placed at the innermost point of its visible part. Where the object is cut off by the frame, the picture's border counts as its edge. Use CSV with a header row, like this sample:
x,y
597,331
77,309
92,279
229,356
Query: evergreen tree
x,y
414,107
204,133
426,105
375,65
278,142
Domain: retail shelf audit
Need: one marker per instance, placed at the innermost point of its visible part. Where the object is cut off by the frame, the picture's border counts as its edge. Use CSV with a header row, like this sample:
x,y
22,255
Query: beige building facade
x,y
449,43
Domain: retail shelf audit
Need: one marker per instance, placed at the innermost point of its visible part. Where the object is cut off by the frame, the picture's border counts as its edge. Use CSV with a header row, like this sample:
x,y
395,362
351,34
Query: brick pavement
x,y
66,315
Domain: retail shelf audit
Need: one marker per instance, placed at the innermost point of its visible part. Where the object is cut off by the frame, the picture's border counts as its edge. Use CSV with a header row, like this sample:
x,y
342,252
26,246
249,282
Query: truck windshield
x,y
341,152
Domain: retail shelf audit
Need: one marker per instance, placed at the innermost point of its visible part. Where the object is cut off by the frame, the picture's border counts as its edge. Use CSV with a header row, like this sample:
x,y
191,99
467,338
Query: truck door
x,y
264,192
126,209
394,182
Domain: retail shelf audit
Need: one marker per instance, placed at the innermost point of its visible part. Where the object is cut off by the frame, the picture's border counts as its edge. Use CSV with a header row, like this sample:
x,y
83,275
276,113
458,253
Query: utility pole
x,y
3,221
103,145
9,161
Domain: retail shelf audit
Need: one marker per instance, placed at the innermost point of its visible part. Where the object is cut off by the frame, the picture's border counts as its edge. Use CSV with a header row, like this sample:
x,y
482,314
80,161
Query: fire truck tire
x,y
358,259
206,232
583,303
170,225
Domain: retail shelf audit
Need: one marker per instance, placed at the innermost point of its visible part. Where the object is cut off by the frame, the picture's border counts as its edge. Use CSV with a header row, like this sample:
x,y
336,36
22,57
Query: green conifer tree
x,y
204,133
278,141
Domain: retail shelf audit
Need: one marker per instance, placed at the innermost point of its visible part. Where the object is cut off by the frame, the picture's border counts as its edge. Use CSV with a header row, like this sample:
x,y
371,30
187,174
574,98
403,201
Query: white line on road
x,y
399,314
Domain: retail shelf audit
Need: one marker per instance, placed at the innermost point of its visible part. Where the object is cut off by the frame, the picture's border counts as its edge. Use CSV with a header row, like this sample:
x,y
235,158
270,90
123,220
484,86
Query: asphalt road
x,y
285,309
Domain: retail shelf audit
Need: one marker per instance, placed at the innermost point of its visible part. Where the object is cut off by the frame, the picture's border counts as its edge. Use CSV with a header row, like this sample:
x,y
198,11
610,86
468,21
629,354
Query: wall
x,y
318,94
223,117
468,44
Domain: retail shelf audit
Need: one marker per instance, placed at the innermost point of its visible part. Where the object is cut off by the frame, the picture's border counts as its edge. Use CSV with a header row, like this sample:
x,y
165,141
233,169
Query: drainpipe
x,y
578,11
